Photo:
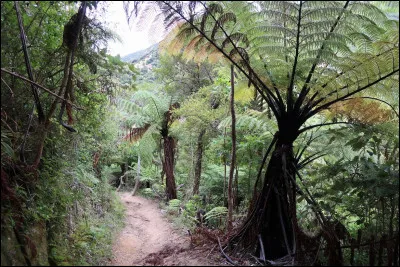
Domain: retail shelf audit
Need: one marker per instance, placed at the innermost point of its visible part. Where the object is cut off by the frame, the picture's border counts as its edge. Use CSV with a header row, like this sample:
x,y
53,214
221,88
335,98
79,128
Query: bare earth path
x,y
149,239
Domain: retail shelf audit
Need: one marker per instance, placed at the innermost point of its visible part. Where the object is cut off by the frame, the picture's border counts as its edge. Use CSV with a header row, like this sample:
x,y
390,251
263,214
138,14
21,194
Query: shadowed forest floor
x,y
149,239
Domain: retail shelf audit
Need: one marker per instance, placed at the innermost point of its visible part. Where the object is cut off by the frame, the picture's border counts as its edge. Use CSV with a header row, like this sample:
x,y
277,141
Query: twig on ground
x,y
211,251
223,253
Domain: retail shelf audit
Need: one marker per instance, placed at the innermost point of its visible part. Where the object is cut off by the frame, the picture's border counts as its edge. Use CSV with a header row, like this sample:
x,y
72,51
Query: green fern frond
x,y
334,48
216,213
215,8
253,121
174,203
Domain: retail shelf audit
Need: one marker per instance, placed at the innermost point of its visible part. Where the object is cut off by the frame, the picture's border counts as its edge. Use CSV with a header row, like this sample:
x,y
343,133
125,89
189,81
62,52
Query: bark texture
x,y
169,145
233,154
199,158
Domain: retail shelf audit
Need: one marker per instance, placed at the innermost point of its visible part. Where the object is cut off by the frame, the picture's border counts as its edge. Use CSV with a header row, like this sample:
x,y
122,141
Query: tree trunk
x,y
224,158
137,182
162,173
236,189
233,155
249,178
392,210
271,216
169,145
199,157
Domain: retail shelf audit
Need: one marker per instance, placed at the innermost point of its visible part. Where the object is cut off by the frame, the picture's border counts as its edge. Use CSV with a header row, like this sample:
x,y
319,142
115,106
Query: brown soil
x,y
149,239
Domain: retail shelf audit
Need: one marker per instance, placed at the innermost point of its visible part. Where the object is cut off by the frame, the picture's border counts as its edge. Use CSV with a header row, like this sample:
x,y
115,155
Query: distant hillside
x,y
138,55
144,61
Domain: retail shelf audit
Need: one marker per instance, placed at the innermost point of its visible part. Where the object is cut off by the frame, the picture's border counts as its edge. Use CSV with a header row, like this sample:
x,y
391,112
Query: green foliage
x,y
147,192
358,182
68,192
181,77
174,206
6,145
214,216
190,208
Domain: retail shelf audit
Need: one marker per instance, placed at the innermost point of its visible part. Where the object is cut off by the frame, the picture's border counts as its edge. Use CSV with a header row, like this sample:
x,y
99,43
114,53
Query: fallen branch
x,y
223,253
262,256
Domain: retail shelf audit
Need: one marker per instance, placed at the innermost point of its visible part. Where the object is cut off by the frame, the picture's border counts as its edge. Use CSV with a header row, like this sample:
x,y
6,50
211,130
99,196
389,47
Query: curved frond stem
x,y
275,109
309,198
307,108
296,57
300,152
322,124
377,99
280,102
304,91
310,159
326,105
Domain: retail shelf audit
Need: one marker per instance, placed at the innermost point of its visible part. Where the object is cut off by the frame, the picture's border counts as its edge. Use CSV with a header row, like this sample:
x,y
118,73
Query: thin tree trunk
x,y
224,189
233,154
137,182
199,157
162,164
28,64
249,178
392,209
169,145
236,190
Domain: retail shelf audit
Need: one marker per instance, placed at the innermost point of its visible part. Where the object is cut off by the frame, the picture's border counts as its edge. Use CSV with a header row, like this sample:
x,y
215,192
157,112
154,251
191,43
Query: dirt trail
x,y
149,239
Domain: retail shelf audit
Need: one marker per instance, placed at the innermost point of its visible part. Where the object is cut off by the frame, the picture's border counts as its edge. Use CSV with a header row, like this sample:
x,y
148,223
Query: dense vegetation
x,y
56,200
277,121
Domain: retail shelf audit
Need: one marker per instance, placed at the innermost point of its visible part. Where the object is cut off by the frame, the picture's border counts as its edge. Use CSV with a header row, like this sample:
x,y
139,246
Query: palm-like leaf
x,y
311,53
144,111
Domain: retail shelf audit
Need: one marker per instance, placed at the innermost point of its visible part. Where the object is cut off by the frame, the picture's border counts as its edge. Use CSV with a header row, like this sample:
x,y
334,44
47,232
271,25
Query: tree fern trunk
x,y
169,145
271,216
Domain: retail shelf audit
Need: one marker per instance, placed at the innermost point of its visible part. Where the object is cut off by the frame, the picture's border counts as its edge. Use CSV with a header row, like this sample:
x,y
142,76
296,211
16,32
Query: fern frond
x,y
216,213
313,52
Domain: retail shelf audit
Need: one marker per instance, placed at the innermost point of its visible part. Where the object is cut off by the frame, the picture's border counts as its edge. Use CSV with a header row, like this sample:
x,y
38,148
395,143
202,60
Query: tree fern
x,y
328,33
